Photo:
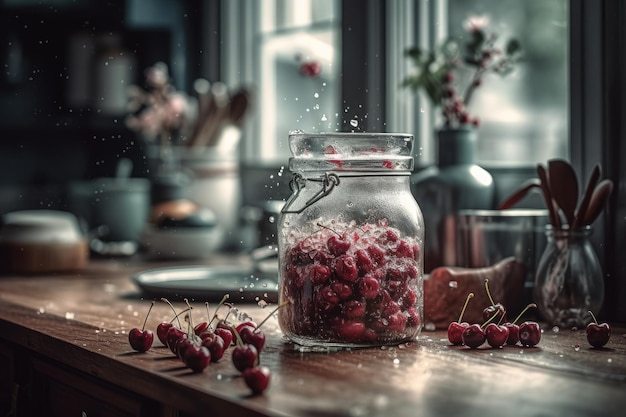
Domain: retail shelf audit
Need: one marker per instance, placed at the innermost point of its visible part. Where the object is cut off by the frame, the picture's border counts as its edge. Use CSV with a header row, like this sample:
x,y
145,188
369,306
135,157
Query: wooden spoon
x,y
594,177
555,221
564,187
520,193
599,197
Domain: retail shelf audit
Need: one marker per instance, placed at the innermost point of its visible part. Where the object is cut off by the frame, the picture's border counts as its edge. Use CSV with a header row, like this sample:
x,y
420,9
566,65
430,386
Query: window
x,y
524,115
294,51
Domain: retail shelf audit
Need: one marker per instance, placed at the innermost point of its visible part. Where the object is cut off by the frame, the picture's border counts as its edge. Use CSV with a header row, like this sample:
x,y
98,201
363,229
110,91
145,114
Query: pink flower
x,y
476,23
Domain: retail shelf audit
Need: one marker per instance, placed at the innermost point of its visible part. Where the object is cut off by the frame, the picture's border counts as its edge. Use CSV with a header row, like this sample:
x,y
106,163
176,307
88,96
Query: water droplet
x,y
609,360
576,347
555,329
316,95
271,219
396,362
354,123
453,284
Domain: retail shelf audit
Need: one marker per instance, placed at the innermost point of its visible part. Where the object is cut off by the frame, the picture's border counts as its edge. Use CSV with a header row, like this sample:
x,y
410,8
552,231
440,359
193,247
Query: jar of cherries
x,y
350,242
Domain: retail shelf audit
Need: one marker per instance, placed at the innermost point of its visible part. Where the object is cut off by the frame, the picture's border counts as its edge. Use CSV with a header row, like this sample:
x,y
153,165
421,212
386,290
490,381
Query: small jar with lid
x,y
350,242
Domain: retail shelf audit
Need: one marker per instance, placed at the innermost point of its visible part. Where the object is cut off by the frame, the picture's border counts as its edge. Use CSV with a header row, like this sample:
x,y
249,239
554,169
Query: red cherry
x,y
354,309
455,331
244,356
200,328
514,328
140,340
351,331
257,378
319,274
495,308
529,333
162,330
253,337
368,287
473,336
456,328
216,346
247,323
513,337
225,334
195,357
337,245
346,269
310,69
496,335
174,335
598,334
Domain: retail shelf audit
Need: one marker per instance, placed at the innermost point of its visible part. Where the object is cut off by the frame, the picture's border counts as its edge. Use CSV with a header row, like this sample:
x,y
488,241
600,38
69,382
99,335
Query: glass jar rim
x,y
351,151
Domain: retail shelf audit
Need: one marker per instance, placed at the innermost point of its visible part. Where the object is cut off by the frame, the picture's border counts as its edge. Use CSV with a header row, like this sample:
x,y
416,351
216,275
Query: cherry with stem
x,y
455,329
141,339
513,327
494,308
598,334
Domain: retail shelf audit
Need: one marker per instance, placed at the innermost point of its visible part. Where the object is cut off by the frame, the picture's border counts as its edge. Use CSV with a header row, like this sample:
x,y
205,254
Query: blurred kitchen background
x,y
312,65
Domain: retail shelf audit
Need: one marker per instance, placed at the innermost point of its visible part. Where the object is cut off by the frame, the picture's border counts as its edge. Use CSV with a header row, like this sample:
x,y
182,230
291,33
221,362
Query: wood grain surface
x,y
81,321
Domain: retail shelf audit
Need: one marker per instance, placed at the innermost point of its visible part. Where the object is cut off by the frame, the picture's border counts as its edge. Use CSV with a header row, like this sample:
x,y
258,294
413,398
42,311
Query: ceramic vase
x,y
455,183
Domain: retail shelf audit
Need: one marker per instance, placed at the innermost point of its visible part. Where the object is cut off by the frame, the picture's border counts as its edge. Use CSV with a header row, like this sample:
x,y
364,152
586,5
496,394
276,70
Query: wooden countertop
x,y
82,320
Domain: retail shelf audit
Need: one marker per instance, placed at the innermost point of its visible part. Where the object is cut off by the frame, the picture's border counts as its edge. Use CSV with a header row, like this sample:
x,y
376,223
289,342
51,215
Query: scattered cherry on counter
x,y
598,334
141,339
455,328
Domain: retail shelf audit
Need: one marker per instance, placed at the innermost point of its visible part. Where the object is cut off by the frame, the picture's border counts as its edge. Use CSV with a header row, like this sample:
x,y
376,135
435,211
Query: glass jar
x,y
350,242
569,281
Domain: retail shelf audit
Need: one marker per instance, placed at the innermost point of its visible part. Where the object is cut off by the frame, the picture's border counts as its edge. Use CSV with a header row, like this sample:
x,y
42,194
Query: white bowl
x,y
180,243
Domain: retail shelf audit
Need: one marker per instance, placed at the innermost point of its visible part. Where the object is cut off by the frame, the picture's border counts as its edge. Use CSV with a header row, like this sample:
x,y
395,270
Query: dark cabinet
x,y
66,68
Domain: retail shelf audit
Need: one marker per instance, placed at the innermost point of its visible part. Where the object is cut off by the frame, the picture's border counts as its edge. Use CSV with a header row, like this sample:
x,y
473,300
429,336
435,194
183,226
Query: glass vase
x,y
569,281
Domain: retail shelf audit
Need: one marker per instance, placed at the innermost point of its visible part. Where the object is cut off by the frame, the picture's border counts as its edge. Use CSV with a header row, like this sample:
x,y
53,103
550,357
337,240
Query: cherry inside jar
x,y
350,242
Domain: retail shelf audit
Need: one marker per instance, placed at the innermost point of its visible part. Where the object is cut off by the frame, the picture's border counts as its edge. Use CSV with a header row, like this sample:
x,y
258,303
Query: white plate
x,y
203,283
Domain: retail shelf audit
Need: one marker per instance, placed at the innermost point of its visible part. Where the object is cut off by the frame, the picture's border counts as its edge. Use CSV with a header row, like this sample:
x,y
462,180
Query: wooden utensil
x,y
599,197
564,187
555,220
594,177
520,193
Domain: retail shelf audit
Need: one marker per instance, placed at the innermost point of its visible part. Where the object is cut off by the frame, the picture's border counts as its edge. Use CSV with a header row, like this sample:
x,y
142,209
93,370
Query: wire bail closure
x,y
298,182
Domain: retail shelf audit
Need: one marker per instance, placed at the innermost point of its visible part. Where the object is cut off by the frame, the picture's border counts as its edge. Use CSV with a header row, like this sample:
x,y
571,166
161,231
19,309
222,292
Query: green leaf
x,y
513,47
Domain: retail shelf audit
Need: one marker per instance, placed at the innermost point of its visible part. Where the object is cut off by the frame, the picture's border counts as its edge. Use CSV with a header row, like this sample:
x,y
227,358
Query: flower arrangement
x,y
159,112
438,70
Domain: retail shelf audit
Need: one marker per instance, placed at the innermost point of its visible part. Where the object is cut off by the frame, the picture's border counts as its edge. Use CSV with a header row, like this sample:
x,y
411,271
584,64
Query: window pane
x,y
298,39
524,115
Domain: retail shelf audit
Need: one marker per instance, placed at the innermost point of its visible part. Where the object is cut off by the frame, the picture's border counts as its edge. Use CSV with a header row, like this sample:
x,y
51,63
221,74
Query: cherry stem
x,y
237,336
176,317
491,319
281,305
190,332
593,317
488,292
222,302
531,305
173,309
146,319
470,295
328,228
